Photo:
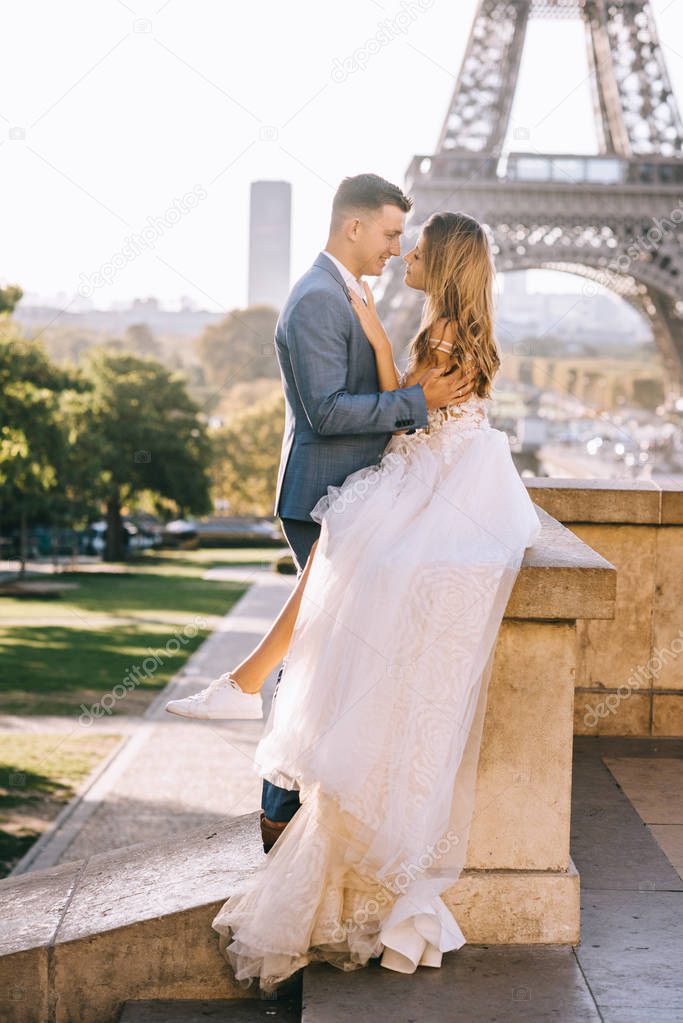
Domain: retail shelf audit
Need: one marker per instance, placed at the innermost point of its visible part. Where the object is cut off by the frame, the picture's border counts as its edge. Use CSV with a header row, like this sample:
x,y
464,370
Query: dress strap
x,y
440,346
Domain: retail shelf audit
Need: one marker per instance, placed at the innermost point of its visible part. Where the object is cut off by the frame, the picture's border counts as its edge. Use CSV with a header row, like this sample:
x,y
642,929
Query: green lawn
x,y
130,628
70,653
39,773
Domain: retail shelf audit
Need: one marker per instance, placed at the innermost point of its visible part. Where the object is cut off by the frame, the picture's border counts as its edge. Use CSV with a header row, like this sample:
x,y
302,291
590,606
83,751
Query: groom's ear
x,y
353,228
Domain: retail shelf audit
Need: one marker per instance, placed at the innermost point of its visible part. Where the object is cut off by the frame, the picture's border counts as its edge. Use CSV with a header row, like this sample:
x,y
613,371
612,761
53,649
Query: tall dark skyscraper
x,y
270,212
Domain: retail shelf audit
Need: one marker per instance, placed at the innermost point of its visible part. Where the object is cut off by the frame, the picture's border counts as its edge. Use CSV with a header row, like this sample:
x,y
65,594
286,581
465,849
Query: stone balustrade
x,y
629,678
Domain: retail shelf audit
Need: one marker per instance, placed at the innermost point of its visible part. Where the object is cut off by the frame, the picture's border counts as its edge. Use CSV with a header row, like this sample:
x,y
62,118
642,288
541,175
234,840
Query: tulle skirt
x,y
379,713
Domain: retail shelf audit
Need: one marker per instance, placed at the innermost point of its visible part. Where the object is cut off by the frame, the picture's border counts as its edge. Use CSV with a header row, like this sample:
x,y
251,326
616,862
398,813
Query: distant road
x,y
556,460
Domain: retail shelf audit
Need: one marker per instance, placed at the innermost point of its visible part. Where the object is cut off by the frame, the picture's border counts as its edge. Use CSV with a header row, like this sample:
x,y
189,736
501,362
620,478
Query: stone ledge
x,y
80,939
640,502
562,577
74,900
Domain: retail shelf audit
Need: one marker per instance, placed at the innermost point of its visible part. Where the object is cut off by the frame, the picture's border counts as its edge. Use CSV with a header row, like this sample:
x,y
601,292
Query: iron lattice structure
x,y
614,218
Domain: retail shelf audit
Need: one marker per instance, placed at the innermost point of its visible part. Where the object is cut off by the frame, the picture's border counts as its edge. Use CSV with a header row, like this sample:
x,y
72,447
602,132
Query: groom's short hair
x,y
366,192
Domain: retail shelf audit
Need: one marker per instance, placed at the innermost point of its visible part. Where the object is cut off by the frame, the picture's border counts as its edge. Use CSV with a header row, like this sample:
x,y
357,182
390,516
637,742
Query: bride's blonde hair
x,y
458,283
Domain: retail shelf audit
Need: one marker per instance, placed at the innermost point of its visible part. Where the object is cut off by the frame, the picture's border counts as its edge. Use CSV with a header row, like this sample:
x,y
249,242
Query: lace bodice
x,y
470,413
447,428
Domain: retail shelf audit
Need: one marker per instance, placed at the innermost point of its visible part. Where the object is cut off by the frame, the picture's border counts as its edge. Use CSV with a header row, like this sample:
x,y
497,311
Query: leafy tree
x,y
142,340
32,442
240,347
246,454
246,395
136,430
69,343
9,298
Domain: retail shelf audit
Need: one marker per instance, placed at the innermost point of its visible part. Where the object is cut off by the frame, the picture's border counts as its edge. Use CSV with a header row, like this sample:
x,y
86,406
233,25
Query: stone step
x,y
286,1008
476,984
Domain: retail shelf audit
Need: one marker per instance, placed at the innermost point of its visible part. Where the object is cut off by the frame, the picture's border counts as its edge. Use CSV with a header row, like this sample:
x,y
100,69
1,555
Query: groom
x,y
336,419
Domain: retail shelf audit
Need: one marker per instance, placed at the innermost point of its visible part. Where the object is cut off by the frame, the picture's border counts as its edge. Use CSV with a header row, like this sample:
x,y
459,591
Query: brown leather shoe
x,y
271,831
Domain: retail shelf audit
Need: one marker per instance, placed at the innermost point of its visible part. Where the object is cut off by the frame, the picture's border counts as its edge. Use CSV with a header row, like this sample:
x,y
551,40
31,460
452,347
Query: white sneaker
x,y
222,698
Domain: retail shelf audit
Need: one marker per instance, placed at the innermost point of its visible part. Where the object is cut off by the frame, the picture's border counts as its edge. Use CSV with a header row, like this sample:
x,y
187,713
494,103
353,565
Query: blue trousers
x,y
281,804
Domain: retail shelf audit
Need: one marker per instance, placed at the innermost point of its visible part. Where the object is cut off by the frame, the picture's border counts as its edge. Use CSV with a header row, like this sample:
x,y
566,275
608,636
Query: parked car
x,y
222,531
179,533
134,537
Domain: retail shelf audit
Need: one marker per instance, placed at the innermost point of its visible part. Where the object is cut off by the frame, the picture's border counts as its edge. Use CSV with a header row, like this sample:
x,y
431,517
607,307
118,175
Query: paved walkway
x,y
169,774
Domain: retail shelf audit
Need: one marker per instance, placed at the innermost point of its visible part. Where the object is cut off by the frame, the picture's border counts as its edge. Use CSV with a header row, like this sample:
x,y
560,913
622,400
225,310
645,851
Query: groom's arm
x,y
318,352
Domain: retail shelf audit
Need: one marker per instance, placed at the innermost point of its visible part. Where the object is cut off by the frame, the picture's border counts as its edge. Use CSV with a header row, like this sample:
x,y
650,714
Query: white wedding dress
x,y
379,712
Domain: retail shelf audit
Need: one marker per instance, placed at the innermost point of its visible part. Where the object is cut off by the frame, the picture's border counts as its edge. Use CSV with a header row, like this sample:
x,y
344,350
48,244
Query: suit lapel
x,y
357,332
324,263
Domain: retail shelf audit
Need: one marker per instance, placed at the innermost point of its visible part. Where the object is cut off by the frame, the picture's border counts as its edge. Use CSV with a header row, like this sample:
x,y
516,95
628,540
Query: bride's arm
x,y
387,371
251,673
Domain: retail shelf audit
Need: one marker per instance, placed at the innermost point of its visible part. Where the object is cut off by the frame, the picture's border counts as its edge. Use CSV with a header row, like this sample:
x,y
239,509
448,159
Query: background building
x,y
270,213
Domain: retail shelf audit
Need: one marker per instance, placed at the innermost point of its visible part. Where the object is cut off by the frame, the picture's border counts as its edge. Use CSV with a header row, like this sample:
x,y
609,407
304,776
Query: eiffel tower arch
x,y
614,218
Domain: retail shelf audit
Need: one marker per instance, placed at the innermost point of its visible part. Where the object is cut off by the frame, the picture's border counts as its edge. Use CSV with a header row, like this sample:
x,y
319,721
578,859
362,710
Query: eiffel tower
x,y
615,218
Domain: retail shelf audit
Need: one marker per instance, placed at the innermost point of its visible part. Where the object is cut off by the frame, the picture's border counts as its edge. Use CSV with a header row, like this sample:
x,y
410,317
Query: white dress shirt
x,y
349,279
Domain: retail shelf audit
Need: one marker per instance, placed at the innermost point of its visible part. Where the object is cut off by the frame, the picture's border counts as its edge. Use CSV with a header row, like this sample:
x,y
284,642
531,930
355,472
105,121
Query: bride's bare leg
x,y
252,672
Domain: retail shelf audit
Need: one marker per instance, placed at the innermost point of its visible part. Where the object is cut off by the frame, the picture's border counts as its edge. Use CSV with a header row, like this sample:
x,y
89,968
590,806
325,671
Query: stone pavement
x,y
170,774
626,841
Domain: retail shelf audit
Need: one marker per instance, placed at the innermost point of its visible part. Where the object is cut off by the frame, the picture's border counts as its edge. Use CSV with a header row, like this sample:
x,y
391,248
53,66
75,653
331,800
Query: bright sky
x,y
113,114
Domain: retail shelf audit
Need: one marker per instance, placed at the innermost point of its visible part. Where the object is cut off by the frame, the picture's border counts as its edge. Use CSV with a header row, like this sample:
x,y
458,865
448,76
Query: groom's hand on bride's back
x,y
443,390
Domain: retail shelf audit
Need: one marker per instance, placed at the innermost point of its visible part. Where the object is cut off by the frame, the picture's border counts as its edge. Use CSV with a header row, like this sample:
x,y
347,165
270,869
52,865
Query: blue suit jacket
x,y
336,418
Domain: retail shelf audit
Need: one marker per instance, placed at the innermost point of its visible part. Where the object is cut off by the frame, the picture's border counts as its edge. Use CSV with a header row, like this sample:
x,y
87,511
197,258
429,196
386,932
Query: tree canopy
x,y
246,454
136,429
239,348
74,441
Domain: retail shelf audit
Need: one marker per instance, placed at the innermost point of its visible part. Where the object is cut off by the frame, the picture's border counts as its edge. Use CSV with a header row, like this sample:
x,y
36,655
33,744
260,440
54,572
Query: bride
x,y
389,636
